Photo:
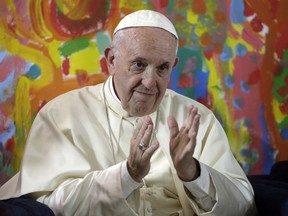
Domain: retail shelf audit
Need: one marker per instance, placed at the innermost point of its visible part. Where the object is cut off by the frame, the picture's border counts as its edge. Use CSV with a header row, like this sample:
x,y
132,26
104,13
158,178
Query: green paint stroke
x,y
279,83
72,46
284,123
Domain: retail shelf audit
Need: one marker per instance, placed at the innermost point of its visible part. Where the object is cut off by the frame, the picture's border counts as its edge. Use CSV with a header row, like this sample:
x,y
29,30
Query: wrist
x,y
193,173
133,173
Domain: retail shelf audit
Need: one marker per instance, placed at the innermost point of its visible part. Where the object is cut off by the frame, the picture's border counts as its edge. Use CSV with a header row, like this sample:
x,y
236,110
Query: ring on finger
x,y
141,147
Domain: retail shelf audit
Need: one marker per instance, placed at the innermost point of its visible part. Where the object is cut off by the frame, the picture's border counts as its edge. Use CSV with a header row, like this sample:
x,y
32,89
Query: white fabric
x,y
68,162
146,18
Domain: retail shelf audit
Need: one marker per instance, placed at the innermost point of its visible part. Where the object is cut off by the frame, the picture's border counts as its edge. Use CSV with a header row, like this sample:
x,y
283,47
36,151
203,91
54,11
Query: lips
x,y
146,91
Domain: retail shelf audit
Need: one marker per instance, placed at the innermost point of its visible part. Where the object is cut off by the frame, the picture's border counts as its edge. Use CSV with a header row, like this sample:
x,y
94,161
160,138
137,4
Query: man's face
x,y
141,65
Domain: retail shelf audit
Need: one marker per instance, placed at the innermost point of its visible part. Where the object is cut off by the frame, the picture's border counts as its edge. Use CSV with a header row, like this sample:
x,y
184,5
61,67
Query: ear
x,y
175,62
109,56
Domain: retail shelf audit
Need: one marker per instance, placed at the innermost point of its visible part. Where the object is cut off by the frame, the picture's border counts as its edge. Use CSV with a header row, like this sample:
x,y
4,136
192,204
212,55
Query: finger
x,y
192,113
147,154
173,127
189,148
141,128
185,123
195,126
147,136
136,131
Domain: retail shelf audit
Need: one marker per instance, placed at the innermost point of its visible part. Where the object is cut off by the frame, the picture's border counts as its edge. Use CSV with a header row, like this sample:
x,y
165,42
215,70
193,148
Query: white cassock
x,y
76,166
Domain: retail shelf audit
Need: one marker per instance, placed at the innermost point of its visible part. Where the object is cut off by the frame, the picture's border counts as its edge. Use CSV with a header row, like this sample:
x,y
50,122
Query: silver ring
x,y
141,146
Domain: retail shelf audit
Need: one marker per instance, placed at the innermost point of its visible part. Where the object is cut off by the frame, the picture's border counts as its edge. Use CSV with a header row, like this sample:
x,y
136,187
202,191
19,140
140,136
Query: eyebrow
x,y
145,60
138,59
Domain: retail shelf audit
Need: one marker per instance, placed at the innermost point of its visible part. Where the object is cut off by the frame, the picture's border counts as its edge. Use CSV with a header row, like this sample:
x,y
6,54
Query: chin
x,y
139,112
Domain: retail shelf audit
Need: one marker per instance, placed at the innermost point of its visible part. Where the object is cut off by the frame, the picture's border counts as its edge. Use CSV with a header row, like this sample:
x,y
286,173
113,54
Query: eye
x,y
162,69
138,66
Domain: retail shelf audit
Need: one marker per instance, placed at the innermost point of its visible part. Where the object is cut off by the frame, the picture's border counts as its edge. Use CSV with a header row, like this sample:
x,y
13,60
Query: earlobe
x,y
108,55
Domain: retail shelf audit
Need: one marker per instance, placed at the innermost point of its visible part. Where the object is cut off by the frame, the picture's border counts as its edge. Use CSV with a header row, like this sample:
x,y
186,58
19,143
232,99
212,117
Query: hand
x,y
182,145
138,163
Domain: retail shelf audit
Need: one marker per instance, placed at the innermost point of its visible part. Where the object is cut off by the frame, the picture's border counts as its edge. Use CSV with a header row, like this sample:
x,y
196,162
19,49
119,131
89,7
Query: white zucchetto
x,y
146,18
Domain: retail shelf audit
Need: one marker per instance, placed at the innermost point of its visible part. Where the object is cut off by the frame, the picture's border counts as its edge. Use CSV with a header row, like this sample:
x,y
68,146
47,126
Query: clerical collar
x,y
112,90
113,101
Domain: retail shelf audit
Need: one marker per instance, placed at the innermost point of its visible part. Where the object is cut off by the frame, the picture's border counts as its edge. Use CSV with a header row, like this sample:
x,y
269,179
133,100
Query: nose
x,y
149,78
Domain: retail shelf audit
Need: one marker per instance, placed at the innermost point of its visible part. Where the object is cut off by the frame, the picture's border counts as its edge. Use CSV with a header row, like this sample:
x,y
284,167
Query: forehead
x,y
149,41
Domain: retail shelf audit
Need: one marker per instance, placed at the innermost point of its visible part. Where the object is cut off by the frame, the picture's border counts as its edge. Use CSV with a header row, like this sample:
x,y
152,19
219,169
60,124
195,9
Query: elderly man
x,y
130,146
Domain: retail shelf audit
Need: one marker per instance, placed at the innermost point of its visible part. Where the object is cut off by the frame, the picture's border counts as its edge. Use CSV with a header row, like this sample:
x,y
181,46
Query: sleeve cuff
x,y
127,182
199,187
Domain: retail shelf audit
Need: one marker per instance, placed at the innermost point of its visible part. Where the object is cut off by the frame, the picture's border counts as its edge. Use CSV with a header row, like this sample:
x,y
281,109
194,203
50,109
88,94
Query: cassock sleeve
x,y
98,193
60,169
222,188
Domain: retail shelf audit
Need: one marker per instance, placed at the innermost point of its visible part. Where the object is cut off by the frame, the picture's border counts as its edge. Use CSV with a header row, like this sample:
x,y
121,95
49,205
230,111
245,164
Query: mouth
x,y
145,93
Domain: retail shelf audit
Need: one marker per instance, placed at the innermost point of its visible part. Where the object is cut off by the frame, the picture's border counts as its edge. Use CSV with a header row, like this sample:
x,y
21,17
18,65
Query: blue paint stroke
x,y
2,55
237,12
251,157
240,50
174,79
284,133
245,87
268,153
238,102
229,81
34,72
7,88
8,133
200,84
226,54
102,41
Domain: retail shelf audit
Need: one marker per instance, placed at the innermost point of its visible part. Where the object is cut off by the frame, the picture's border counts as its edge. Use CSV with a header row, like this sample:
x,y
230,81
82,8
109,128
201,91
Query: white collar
x,y
112,90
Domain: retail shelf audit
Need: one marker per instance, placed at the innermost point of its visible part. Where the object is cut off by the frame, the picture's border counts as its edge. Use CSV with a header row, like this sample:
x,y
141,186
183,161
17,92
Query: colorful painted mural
x,y
233,59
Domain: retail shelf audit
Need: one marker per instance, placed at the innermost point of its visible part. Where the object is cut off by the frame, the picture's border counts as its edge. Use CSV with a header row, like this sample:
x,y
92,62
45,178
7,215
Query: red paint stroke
x,y
66,66
82,77
248,11
219,17
199,7
274,14
206,39
164,3
104,67
256,24
208,54
10,144
284,107
41,105
71,28
250,37
254,77
185,81
283,91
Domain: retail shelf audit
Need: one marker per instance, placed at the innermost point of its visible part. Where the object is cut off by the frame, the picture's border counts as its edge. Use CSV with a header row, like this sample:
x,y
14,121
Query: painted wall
x,y
233,58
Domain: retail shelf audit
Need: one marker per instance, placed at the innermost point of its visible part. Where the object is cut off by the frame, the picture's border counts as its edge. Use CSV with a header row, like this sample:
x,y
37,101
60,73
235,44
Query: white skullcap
x,y
146,18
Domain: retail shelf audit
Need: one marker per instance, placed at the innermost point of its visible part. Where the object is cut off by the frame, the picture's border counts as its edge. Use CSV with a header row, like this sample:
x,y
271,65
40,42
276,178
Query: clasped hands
x,y
182,145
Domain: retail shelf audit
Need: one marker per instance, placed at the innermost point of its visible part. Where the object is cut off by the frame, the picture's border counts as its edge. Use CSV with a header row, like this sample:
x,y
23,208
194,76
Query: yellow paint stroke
x,y
279,116
86,59
133,5
22,118
13,46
